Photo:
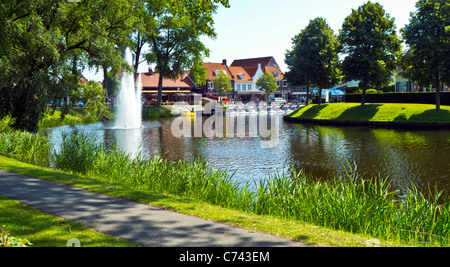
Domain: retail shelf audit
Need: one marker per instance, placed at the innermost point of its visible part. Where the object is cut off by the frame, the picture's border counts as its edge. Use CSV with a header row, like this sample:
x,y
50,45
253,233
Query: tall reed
x,y
357,205
29,147
193,180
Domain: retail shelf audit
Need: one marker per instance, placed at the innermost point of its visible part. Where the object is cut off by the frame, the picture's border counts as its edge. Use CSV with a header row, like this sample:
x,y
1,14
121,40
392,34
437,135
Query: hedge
x,y
416,98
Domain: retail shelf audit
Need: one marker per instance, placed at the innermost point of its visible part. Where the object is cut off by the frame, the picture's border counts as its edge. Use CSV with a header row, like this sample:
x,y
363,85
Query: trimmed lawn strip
x,y
374,112
295,230
45,230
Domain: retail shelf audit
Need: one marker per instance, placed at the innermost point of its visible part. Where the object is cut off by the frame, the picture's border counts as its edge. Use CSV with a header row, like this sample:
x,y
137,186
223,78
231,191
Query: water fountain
x,y
129,110
128,125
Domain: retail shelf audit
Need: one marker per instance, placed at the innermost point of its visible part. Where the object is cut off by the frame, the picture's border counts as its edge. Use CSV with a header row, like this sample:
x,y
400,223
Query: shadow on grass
x,y
360,113
310,113
431,115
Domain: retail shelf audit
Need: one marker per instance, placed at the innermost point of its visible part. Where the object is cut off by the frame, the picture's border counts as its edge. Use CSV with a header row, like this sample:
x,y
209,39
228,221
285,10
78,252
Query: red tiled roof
x,y
151,81
274,70
237,71
252,62
212,67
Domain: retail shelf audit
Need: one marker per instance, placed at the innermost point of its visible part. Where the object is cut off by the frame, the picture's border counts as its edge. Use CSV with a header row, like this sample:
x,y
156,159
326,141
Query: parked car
x,y
280,101
226,100
79,104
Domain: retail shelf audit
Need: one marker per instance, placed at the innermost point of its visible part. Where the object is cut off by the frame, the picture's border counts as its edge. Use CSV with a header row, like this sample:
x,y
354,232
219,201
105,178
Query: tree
x,y
314,58
222,82
175,44
371,46
427,35
94,97
267,83
42,44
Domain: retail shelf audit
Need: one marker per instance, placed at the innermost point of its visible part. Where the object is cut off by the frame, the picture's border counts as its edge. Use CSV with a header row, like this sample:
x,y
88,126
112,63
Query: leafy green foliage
x,y
42,44
174,38
29,147
314,58
371,46
267,83
222,82
427,36
94,97
7,240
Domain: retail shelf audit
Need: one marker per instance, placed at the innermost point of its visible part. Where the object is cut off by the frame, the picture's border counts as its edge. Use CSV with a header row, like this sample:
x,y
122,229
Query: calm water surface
x,y
419,157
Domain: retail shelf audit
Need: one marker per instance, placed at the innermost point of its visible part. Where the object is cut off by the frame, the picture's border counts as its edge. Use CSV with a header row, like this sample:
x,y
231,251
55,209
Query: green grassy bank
x,y
388,113
350,209
154,112
22,225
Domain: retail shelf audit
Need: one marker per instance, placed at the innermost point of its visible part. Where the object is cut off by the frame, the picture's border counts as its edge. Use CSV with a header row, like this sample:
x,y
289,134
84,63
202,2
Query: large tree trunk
x,y
363,98
307,94
160,87
319,101
438,94
106,81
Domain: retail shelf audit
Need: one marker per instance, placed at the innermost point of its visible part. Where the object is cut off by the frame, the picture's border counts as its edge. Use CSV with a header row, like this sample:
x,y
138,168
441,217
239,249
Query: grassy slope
x,y
292,229
374,112
45,230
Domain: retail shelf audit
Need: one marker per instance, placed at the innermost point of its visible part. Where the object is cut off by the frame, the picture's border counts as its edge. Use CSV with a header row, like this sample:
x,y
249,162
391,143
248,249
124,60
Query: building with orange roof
x,y
255,68
212,71
243,74
180,89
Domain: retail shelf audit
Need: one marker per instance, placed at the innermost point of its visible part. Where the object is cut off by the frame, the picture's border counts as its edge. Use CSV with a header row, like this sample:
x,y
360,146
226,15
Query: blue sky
x,y
260,28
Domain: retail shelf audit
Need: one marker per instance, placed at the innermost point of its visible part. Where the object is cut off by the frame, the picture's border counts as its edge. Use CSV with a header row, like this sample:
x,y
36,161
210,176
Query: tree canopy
x,y
222,82
314,58
267,83
427,36
371,46
175,44
42,44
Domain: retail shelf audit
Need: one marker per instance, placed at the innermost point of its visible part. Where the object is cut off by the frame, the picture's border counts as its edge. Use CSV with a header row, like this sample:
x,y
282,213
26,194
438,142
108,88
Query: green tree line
x,y
368,49
45,43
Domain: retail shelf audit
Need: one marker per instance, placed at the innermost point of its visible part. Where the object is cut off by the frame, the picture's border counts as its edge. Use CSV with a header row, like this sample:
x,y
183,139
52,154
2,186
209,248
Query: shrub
x,y
6,240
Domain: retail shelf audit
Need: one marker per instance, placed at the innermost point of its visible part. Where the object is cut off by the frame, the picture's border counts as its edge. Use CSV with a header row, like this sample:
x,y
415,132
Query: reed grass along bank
x,y
350,203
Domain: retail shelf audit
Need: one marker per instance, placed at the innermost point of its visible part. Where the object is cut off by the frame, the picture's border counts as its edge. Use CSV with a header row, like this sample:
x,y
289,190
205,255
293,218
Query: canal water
x,y
421,157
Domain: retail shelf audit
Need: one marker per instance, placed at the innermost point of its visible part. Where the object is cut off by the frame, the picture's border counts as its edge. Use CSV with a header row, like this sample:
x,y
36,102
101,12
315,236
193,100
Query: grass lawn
x,y
45,230
48,227
374,112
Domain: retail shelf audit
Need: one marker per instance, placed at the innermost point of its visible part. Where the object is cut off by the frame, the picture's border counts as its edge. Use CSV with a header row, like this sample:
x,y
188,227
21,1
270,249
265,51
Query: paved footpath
x,y
142,224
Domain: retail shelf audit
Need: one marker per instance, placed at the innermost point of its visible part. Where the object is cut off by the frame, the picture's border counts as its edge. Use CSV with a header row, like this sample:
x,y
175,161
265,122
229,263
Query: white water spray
x,y
129,111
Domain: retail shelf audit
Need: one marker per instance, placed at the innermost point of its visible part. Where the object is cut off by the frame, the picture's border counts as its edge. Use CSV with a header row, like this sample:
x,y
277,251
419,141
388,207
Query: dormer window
x,y
217,72
241,76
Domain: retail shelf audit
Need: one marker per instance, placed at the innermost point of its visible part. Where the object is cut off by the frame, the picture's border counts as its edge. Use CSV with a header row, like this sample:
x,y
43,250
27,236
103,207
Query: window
x,y
284,83
249,87
238,87
210,85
